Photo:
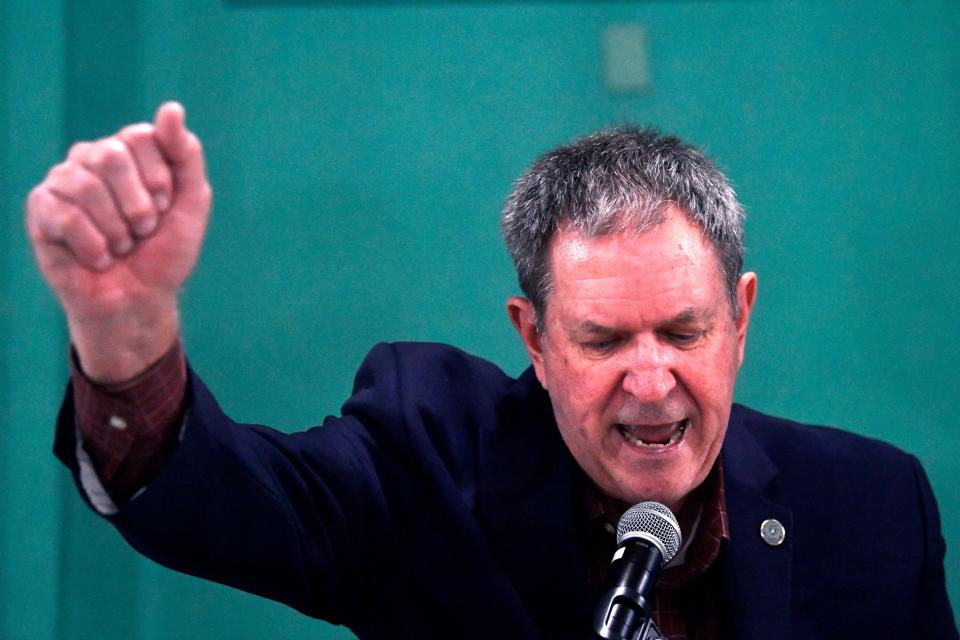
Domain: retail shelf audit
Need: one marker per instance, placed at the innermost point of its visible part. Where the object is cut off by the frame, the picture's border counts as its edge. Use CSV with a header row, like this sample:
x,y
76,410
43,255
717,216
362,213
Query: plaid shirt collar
x,y
703,521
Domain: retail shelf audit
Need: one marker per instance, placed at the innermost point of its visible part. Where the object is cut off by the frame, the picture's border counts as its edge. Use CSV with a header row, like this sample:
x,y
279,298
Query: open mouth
x,y
659,436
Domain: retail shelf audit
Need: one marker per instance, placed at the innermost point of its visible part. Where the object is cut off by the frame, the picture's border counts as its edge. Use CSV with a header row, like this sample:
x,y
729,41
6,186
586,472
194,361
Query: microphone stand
x,y
624,609
647,631
650,631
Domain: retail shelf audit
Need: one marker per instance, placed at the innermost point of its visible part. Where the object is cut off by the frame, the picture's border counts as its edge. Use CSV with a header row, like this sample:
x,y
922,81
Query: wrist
x,y
116,348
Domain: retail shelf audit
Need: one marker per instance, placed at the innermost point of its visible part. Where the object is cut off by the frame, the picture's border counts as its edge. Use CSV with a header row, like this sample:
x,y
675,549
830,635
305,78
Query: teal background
x,y
360,153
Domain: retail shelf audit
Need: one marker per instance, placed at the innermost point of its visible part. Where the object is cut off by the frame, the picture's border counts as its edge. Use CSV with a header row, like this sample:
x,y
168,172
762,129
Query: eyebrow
x,y
690,315
588,326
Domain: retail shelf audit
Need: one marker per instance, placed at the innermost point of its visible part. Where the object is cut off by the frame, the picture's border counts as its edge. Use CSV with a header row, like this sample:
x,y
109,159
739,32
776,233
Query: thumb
x,y
181,148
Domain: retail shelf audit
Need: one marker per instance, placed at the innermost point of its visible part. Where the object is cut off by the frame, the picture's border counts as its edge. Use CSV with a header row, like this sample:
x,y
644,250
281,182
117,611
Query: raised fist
x,y
117,228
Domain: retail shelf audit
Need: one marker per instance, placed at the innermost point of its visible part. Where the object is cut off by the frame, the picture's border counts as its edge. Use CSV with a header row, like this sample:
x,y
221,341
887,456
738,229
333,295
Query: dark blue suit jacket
x,y
440,505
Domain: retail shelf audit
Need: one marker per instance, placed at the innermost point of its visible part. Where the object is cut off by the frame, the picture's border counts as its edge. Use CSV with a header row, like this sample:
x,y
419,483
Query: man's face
x,y
639,355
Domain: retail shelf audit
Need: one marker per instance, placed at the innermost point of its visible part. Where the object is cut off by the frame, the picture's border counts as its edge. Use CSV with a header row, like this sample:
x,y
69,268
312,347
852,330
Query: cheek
x,y
717,368
715,384
579,391
712,385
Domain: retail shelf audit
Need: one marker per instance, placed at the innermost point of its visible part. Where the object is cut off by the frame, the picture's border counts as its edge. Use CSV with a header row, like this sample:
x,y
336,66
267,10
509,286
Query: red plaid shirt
x,y
688,598
131,429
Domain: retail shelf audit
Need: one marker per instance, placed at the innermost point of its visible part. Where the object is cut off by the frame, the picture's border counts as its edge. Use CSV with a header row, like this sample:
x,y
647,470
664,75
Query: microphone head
x,y
654,522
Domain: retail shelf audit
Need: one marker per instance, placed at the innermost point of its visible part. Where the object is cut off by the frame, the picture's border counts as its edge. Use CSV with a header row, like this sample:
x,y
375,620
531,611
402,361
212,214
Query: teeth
x,y
634,440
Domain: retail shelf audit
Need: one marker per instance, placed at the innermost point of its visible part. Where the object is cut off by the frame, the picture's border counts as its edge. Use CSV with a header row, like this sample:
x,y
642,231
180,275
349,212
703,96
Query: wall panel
x,y
31,339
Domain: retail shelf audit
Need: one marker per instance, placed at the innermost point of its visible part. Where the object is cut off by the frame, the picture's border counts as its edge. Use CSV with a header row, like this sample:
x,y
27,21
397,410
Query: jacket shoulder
x,y
429,376
836,482
434,364
791,444
428,403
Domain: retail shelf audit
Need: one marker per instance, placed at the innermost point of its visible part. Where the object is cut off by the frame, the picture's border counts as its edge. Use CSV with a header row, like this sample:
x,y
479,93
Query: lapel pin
x,y
772,532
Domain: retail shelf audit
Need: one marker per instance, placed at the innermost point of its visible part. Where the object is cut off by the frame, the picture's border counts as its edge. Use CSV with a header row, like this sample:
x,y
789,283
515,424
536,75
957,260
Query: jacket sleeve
x,y
296,518
934,617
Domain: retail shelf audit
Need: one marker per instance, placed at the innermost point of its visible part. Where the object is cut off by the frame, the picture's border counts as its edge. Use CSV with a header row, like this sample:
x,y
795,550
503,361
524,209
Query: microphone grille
x,y
654,522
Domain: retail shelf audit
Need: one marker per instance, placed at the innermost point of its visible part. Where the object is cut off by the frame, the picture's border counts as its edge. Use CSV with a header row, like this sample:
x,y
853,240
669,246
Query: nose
x,y
649,374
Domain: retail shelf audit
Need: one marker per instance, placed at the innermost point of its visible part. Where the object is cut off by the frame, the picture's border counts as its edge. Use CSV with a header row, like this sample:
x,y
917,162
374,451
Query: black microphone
x,y
648,536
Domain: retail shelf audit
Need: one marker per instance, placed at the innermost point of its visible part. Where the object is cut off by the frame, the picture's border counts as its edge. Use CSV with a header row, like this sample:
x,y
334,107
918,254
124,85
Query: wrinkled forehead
x,y
672,248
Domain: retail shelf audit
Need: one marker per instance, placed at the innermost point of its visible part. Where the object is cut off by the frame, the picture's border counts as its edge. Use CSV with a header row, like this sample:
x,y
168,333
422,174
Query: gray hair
x,y
612,181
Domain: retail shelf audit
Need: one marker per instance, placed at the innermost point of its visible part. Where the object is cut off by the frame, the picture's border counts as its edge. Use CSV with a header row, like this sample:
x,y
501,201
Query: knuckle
x,y
111,155
113,229
33,231
86,186
98,245
157,179
116,237
65,222
159,184
136,215
136,202
37,207
76,183
89,249
136,132
60,171
36,199
66,176
33,207
78,149
59,226
193,144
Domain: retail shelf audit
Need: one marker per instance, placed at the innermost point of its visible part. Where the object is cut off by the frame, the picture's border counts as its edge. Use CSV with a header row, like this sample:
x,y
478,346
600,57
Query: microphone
x,y
648,537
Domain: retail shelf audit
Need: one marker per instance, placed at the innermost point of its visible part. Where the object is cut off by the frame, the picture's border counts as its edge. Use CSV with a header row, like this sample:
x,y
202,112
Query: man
x,y
450,500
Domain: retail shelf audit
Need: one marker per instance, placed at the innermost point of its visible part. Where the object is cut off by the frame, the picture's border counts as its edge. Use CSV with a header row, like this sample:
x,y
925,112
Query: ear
x,y
524,320
746,297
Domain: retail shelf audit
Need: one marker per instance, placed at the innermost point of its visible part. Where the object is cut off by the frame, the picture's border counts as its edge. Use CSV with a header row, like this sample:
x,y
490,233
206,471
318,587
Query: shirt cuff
x,y
126,431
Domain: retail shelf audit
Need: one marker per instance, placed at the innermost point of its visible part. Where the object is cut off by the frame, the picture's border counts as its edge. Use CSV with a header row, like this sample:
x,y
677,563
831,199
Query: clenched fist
x,y
116,229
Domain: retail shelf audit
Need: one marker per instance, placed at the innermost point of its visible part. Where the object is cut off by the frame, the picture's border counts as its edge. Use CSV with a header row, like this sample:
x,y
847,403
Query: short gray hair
x,y
612,181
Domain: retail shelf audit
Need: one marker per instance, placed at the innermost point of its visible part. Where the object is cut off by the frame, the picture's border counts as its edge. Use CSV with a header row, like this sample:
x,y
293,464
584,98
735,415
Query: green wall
x,y
360,152
31,334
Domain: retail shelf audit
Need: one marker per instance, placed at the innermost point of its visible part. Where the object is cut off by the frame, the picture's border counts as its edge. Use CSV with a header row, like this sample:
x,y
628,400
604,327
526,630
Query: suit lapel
x,y
525,506
526,501
758,574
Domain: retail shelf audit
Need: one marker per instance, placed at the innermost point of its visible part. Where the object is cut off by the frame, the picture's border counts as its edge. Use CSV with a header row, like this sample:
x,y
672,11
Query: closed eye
x,y
684,338
601,346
